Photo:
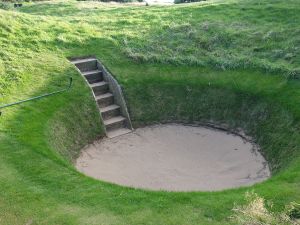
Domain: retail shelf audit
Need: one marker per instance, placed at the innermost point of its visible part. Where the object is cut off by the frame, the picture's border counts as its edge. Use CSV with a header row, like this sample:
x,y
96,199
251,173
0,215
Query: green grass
x,y
227,62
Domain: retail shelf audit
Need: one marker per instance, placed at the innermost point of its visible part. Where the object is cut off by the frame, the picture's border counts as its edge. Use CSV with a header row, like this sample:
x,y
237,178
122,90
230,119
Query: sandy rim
x,y
93,160
223,127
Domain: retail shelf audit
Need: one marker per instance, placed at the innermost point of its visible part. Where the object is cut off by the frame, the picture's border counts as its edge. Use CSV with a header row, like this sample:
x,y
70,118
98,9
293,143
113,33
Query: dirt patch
x,y
176,158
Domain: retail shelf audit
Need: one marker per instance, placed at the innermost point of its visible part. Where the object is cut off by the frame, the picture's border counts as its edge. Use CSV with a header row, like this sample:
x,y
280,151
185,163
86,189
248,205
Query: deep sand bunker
x,y
176,158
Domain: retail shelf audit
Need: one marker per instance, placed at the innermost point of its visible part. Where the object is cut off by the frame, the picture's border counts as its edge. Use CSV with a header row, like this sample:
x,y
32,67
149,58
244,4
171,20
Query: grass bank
x,y
38,140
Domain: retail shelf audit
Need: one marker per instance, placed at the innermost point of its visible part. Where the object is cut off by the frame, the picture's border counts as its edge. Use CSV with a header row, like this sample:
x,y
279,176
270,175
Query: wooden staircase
x,y
105,89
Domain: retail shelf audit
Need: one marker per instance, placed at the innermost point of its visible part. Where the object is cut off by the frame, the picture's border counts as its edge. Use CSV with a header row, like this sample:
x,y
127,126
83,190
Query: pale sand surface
x,y
176,158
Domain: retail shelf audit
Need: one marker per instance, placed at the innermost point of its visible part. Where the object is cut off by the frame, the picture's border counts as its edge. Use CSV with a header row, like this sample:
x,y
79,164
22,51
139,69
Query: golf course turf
x,y
234,63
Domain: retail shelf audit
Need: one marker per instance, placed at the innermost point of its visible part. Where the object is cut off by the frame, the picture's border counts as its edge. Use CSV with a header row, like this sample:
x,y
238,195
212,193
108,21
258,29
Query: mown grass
x,y
38,183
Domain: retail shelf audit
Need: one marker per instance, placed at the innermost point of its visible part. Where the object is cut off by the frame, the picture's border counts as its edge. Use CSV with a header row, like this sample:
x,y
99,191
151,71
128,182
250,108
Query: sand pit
x,y
176,158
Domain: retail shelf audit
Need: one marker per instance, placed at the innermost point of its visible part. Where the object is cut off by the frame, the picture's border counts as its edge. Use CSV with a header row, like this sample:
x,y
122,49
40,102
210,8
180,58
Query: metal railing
x,y
38,97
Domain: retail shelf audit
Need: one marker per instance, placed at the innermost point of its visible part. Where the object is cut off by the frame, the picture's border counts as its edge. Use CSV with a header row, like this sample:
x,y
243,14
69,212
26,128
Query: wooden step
x,y
118,132
93,76
110,111
87,64
99,88
114,123
105,99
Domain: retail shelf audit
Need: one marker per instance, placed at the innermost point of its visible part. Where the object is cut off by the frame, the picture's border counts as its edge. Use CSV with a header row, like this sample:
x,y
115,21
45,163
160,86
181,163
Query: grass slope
x,y
158,66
